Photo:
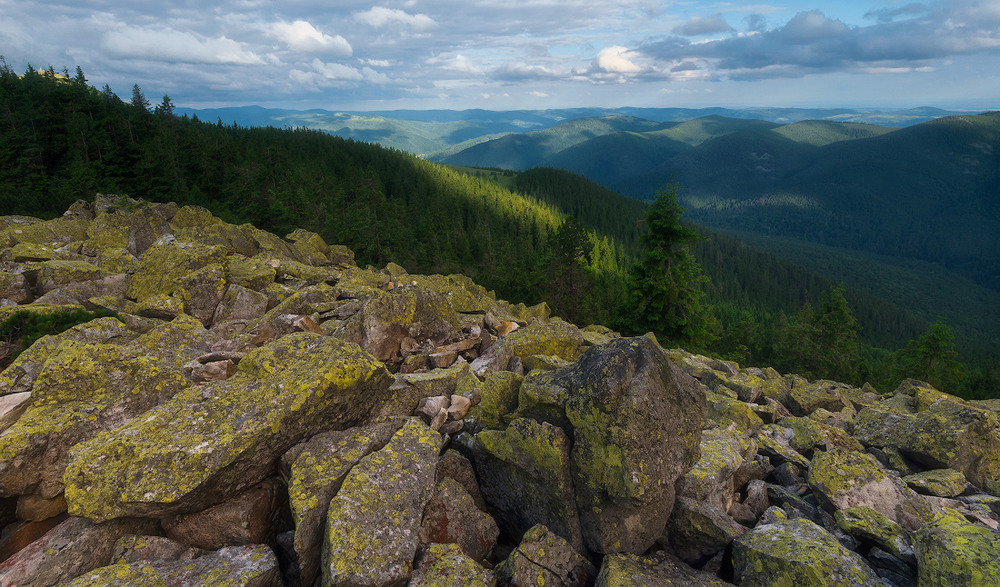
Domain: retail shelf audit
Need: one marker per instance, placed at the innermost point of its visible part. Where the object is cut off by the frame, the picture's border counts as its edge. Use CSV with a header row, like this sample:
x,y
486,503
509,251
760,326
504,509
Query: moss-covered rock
x,y
404,312
213,441
805,398
797,552
82,389
250,272
498,398
165,263
317,469
939,482
636,425
33,253
873,527
55,274
808,435
725,412
74,546
710,480
844,479
20,375
132,229
545,558
629,570
552,338
202,291
946,434
446,565
952,551
253,565
524,473
696,531
54,233
373,523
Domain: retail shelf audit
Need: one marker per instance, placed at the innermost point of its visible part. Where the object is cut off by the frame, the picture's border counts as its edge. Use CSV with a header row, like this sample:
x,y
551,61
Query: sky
x,y
519,54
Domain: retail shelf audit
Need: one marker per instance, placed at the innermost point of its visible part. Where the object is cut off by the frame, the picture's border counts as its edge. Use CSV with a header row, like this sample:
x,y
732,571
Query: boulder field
x,y
256,410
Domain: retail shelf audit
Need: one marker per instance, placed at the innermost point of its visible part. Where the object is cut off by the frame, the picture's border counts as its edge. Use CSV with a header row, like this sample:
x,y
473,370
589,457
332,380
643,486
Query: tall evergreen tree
x,y
931,358
567,281
139,101
666,286
823,343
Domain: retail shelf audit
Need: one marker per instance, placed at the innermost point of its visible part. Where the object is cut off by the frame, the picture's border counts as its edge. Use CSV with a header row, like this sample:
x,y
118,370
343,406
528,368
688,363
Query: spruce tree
x,y
666,286
931,358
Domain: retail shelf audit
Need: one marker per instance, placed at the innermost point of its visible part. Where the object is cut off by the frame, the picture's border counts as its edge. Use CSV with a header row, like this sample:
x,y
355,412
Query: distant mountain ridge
x,y
428,132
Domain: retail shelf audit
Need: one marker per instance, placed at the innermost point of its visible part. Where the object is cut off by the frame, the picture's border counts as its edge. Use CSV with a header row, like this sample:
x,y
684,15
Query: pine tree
x,y
666,285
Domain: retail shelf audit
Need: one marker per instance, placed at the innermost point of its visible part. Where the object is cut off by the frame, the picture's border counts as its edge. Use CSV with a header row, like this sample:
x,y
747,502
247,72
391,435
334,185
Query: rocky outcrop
x,y
262,411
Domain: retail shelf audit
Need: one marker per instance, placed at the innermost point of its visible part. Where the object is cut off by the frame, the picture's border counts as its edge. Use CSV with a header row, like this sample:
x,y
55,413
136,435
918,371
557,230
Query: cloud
x,y
379,16
703,25
539,94
615,60
523,71
811,42
889,14
302,36
176,46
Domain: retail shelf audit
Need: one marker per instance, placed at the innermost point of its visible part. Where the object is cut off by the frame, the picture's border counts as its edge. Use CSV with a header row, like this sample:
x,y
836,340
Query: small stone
x,y
452,427
438,421
33,508
214,371
459,407
307,324
505,328
428,407
443,359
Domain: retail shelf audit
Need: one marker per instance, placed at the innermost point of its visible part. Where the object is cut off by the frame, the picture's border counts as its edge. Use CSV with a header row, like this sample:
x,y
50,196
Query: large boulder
x,y
81,390
234,566
211,442
317,469
944,432
555,337
373,523
636,423
797,552
524,472
951,551
629,570
446,565
544,558
451,516
712,479
73,547
845,479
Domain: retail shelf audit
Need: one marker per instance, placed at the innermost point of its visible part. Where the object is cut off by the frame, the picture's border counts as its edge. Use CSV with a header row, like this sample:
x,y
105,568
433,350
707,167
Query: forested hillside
x,y
540,235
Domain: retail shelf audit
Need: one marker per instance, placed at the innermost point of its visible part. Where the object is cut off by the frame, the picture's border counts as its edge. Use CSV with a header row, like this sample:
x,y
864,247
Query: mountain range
x,y
438,133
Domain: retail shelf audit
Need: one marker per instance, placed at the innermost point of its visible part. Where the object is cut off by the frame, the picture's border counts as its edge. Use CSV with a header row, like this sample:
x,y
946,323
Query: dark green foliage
x,y
823,342
23,327
666,287
932,358
567,280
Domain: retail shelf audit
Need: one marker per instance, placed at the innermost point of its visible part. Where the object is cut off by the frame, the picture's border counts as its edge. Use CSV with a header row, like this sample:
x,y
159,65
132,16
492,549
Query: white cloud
x,y
379,16
615,60
336,71
302,36
538,94
178,46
